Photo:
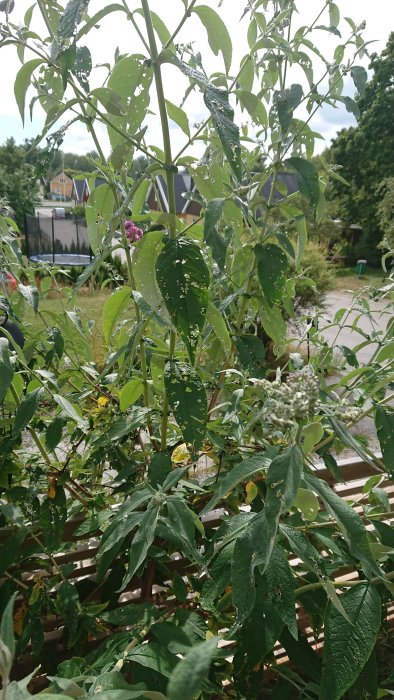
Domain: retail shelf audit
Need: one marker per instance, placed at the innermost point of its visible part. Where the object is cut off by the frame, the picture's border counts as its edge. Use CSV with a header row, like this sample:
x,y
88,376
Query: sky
x,y
379,17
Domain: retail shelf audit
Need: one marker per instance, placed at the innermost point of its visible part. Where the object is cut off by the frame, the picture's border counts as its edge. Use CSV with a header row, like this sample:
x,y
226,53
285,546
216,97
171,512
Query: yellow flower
x,y
180,455
102,401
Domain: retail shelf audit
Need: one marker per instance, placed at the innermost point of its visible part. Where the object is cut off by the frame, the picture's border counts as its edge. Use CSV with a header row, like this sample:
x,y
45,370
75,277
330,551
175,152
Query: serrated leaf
x,y
177,115
272,266
190,673
6,370
141,542
71,18
212,236
223,119
384,421
187,398
155,657
99,210
307,178
348,645
113,308
218,36
183,279
22,82
27,410
286,102
130,393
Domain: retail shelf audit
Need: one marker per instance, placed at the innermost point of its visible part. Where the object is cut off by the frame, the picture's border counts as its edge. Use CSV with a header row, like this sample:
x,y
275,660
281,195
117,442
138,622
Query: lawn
x,y
346,278
88,304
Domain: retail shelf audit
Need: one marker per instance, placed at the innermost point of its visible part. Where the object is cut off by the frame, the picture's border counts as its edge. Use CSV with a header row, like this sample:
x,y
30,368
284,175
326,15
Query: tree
x,y
365,154
17,181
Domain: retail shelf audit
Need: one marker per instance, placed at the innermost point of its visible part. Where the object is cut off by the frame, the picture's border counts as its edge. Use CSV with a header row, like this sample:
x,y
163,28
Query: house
x,y
186,209
60,187
81,189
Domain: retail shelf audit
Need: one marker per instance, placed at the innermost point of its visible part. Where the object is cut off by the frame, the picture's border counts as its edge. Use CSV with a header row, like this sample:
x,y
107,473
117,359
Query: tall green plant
x,y
197,406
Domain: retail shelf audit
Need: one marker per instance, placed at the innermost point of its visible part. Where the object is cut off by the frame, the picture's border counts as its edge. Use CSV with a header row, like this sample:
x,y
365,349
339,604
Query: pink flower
x,y
133,233
11,281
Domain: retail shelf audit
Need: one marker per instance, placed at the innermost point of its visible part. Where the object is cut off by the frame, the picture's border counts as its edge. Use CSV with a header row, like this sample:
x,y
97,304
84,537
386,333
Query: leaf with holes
x,y
212,236
183,279
223,119
384,421
71,17
188,400
286,102
272,266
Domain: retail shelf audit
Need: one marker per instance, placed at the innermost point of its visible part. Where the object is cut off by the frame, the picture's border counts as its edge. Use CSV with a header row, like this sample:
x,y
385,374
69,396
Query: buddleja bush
x,y
196,408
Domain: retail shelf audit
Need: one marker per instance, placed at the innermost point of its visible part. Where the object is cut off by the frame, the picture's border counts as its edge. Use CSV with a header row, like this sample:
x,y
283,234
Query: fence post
x,y
53,240
76,226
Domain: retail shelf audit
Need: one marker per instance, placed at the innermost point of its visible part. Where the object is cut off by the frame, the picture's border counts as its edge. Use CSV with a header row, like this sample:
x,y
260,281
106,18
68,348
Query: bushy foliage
x,y
186,459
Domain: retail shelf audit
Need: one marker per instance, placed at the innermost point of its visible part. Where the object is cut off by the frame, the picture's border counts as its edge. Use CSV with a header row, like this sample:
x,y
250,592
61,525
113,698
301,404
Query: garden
x,y
176,518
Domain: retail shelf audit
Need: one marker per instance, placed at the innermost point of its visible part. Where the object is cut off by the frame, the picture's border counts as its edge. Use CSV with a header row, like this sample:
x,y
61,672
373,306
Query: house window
x,y
62,180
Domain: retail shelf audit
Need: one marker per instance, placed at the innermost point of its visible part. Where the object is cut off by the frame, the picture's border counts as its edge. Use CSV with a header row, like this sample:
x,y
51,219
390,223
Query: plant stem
x,y
340,584
169,166
32,432
180,25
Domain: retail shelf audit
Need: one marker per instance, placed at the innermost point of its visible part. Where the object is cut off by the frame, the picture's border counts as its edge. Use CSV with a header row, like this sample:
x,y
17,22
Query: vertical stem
x,y
170,169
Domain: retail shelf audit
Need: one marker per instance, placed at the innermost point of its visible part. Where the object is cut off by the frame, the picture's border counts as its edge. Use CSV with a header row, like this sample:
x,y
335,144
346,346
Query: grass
x,y
347,279
88,304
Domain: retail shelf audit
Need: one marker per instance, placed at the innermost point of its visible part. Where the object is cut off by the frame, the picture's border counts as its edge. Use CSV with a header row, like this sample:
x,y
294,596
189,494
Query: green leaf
x,y
274,325
179,588
272,267
183,280
253,105
181,520
31,295
154,657
280,583
6,371
99,210
360,78
300,224
187,398
144,263
159,468
351,106
69,411
219,327
251,354
212,236
223,119
307,178
95,19
307,503
311,435
348,645
366,685
349,521
133,614
7,640
22,82
130,393
124,521
385,353
178,116
238,475
113,308
190,673
286,102
218,37
68,602
110,100
254,547
334,14
27,410
53,433
141,542
10,547
71,18
384,421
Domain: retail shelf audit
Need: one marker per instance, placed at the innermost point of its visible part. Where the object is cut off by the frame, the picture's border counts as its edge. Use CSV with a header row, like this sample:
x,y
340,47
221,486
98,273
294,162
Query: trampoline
x,y
56,241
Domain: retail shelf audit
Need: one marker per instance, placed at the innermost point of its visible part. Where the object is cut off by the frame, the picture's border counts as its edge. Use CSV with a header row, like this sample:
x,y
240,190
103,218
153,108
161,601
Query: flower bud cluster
x,y
133,233
292,401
